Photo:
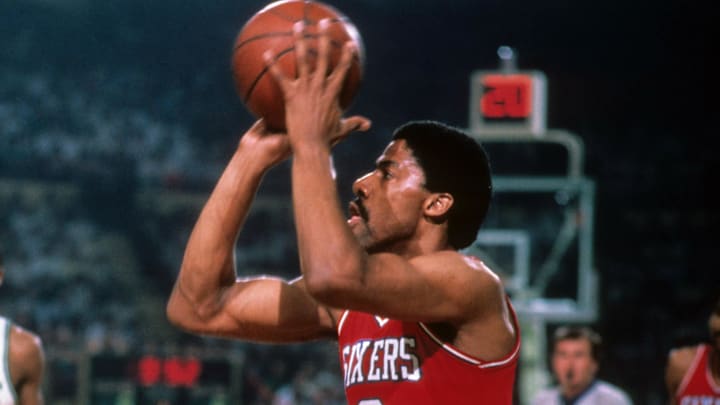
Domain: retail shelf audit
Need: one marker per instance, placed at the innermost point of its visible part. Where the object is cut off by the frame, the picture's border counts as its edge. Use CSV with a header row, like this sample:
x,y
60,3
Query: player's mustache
x,y
361,208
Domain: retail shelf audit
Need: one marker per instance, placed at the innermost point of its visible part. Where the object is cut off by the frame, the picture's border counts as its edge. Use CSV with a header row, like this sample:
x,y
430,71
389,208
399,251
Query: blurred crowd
x,y
99,188
94,125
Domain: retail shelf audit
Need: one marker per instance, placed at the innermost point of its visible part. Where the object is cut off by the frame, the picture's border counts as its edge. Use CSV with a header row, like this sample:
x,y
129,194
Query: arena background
x,y
117,117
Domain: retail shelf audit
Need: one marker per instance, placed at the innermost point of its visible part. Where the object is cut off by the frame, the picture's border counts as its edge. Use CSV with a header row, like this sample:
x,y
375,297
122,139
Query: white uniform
x,y
7,390
600,393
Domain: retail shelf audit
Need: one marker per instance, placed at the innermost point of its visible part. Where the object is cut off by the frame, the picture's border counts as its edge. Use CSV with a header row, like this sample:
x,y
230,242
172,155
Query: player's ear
x,y
437,205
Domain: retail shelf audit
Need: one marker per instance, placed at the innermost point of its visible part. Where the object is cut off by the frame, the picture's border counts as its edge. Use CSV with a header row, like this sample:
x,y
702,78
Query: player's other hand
x,y
266,146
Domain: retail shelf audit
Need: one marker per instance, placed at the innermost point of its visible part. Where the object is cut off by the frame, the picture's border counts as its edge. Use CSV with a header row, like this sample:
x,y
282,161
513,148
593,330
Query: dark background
x,y
632,79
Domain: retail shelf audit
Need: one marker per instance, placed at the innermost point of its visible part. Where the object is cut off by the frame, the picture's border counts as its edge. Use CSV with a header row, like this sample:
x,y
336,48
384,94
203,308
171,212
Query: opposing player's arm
x,y
208,297
678,363
27,363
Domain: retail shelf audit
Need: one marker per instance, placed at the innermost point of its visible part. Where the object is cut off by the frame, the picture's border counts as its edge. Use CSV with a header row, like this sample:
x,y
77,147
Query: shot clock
x,y
508,101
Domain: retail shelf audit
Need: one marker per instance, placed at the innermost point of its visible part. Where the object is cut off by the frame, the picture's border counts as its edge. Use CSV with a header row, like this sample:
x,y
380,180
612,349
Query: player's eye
x,y
386,174
385,170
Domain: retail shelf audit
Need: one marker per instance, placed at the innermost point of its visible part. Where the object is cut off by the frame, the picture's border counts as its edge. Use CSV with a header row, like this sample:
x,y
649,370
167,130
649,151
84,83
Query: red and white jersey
x,y
390,362
698,386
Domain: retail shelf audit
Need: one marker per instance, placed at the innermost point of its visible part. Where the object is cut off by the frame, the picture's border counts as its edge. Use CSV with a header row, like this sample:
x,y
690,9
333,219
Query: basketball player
x,y
417,322
575,364
21,362
692,375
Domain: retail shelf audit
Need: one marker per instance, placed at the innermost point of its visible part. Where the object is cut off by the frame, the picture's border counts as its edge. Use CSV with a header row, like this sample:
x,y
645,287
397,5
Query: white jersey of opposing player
x,y
7,390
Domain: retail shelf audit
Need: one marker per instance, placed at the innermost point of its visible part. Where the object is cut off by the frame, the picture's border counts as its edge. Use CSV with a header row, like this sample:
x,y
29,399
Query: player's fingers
x,y
323,51
301,52
348,126
272,67
337,77
354,123
258,126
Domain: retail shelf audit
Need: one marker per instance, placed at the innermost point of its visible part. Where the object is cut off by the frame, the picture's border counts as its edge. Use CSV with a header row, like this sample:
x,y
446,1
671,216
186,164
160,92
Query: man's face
x,y
714,325
389,203
573,365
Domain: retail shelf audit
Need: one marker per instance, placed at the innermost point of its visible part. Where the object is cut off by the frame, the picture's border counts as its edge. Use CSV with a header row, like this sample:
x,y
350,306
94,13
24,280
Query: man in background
x,y
575,363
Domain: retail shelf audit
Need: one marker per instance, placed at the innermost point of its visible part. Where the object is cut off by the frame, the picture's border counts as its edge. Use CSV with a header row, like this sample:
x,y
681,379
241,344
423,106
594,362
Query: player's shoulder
x,y
682,355
480,269
459,264
24,343
453,258
26,353
679,361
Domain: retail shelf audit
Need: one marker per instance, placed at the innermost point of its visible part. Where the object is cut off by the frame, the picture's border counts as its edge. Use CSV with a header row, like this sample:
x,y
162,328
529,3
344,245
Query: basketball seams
x,y
282,53
283,16
261,36
305,17
264,70
285,34
308,8
271,28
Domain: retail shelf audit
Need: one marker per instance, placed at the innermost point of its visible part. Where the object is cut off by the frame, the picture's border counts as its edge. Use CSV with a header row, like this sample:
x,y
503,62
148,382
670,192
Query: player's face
x,y
573,365
389,203
714,325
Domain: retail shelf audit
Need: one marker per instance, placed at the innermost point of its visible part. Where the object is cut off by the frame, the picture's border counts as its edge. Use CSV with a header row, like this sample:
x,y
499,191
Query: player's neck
x,y
415,247
427,245
429,238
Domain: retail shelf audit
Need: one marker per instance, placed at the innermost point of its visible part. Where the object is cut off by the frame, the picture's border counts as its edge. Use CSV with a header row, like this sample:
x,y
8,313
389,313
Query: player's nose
x,y
360,186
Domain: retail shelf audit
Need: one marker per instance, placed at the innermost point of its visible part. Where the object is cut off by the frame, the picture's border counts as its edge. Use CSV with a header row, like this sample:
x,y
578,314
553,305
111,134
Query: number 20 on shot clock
x,y
508,103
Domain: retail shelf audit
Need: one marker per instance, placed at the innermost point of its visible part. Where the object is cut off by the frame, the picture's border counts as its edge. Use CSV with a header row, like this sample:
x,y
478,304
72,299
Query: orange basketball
x,y
272,28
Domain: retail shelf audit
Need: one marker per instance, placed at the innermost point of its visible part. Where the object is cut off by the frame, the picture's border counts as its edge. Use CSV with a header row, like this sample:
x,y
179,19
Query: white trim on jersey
x,y
457,353
449,348
472,360
475,361
342,321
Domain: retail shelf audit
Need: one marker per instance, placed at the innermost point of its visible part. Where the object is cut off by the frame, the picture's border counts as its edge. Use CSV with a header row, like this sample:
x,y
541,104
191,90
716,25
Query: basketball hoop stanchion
x,y
508,106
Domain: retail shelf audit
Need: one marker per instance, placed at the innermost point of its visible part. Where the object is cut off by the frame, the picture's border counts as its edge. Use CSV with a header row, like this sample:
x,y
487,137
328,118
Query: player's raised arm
x,y
208,298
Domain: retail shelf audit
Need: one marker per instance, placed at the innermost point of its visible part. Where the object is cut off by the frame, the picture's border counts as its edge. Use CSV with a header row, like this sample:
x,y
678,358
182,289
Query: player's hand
x,y
264,145
312,110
